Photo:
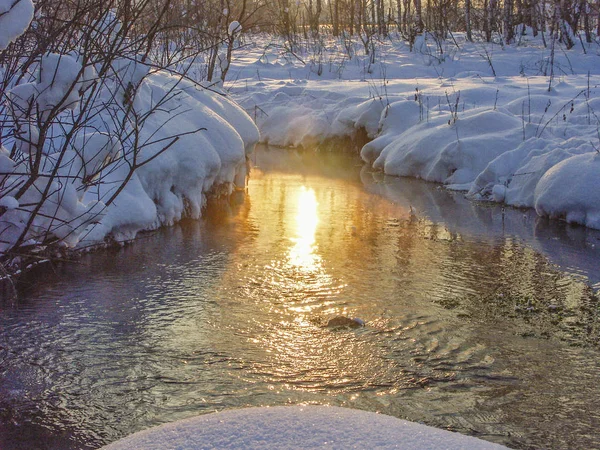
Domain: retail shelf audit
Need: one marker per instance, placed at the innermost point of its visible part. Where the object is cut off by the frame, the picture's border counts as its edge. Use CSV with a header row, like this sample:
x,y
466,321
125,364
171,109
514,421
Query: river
x,y
478,319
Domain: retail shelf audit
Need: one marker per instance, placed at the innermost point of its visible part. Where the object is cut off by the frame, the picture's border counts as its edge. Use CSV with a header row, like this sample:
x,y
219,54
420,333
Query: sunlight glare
x,y
302,254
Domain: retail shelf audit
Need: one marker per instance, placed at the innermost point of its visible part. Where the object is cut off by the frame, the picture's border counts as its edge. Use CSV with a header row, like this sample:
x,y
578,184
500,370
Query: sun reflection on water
x,y
303,254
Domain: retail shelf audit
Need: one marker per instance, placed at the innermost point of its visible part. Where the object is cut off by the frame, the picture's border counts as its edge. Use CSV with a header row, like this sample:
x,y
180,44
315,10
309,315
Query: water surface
x,y
479,319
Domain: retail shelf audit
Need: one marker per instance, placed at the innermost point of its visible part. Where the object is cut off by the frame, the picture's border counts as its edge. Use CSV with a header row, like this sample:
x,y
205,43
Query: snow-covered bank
x,y
215,137
191,140
290,427
508,124
97,146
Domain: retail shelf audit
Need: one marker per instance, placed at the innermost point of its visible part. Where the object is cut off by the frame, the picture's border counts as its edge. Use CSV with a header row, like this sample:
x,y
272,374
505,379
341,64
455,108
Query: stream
x,y
478,319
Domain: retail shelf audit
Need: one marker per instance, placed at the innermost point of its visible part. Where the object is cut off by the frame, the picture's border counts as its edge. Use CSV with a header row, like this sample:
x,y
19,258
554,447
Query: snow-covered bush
x,y
99,143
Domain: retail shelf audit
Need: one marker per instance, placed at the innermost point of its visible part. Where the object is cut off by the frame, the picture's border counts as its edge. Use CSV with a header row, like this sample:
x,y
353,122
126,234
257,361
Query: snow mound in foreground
x,y
285,427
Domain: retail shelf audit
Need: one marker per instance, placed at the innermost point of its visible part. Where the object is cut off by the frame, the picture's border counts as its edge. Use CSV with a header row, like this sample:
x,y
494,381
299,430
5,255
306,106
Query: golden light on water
x,y
302,255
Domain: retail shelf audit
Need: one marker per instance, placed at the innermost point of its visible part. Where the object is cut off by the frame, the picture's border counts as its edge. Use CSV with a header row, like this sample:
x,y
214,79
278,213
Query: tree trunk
x,y
418,17
533,17
399,12
336,17
216,42
586,23
468,19
373,13
352,19
489,11
507,22
318,16
380,17
564,30
359,15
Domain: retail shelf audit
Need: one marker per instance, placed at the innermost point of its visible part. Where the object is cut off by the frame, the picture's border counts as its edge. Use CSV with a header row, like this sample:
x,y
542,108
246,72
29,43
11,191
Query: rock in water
x,y
344,322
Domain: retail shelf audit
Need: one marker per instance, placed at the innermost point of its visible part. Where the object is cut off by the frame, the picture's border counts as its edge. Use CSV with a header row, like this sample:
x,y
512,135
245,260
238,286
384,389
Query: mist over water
x,y
479,319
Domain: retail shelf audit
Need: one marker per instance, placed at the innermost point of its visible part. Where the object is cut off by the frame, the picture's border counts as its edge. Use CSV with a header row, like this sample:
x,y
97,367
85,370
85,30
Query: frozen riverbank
x,y
509,124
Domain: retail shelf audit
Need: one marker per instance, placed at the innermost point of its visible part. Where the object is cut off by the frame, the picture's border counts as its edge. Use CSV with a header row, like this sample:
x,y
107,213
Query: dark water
x,y
478,320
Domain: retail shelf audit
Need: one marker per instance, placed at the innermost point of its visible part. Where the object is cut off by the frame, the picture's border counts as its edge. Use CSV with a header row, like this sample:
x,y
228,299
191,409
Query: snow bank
x,y
208,138
189,140
395,120
514,175
294,116
476,117
137,151
571,190
291,427
451,154
494,154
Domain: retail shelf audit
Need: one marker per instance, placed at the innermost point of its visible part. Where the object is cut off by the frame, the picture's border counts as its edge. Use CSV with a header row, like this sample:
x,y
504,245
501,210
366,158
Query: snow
x,y
6,164
234,28
434,152
60,78
291,427
22,100
478,117
571,189
214,137
15,18
107,27
191,140
126,72
9,202
151,150
58,82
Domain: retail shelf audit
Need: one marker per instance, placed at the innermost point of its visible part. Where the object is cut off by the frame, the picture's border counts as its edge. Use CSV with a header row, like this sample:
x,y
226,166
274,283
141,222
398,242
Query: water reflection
x,y
302,255
466,329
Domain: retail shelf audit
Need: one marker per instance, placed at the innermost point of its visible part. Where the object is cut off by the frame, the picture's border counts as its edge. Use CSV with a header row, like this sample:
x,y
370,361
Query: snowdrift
x,y
186,141
292,427
214,138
